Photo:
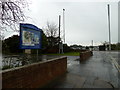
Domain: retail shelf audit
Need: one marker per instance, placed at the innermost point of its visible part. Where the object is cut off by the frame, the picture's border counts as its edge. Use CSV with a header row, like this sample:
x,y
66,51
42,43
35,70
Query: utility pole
x,y
109,27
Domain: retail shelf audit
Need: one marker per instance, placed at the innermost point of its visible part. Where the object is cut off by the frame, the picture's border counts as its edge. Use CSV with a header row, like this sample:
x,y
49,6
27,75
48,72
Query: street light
x,y
109,27
64,24
59,34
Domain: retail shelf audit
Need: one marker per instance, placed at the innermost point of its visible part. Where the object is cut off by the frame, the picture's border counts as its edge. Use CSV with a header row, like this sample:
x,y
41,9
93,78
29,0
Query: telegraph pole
x,y
109,27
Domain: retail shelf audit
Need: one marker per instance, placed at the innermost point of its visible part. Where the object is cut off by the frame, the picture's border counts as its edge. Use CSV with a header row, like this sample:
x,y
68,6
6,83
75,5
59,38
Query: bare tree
x,y
51,29
11,12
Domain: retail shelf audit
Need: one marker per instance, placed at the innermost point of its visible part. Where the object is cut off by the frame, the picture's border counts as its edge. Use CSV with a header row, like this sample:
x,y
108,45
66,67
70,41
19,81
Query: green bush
x,y
6,67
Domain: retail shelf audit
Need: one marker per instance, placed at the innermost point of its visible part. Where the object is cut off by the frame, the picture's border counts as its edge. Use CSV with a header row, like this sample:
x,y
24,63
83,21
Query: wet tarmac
x,y
99,71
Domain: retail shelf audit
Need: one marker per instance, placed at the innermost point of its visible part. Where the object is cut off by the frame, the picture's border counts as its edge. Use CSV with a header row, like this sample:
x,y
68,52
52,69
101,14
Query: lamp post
x,y
62,45
92,45
64,24
59,33
109,27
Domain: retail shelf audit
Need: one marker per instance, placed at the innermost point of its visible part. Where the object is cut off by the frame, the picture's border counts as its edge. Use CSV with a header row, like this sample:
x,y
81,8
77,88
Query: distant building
x,y
75,47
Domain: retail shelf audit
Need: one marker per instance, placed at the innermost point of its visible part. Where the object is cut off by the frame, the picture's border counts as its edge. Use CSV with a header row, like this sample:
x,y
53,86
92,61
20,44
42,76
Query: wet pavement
x,y
99,71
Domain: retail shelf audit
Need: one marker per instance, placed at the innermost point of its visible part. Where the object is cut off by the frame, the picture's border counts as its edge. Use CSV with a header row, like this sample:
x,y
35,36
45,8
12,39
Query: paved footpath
x,y
99,71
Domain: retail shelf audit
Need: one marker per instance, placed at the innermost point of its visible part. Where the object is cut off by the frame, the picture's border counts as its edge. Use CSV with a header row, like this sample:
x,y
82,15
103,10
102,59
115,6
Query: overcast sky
x,y
84,21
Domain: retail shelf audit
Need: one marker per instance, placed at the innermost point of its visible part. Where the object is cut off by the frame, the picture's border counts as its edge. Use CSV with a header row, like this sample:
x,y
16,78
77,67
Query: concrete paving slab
x,y
71,81
90,86
80,83
102,84
65,85
76,80
89,81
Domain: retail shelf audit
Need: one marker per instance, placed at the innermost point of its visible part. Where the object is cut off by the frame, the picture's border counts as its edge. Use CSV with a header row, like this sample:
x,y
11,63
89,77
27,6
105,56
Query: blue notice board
x,y
30,36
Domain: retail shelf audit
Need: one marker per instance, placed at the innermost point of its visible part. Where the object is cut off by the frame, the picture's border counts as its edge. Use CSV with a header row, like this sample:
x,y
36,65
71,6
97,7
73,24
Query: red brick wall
x,y
85,55
0,80
35,75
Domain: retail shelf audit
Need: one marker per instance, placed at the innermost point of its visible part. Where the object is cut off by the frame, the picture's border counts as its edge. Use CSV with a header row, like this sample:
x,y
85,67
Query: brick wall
x,y
36,75
85,55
